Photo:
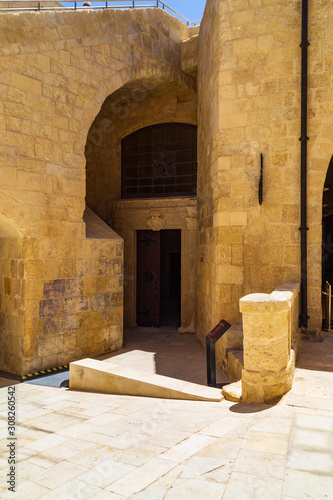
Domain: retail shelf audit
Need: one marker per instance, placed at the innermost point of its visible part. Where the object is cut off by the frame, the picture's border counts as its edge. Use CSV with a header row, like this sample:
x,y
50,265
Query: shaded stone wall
x,y
55,77
12,291
271,338
134,106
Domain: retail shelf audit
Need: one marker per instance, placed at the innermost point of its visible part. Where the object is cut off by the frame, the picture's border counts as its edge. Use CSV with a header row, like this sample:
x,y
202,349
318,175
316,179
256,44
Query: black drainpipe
x,y
304,138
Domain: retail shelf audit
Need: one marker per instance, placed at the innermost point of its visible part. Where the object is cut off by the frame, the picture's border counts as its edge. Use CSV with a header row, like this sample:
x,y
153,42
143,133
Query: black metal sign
x,y
211,340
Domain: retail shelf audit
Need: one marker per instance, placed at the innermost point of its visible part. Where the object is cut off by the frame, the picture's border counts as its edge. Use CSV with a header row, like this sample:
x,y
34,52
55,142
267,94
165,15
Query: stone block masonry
x,y
254,87
70,307
76,310
61,295
62,292
249,103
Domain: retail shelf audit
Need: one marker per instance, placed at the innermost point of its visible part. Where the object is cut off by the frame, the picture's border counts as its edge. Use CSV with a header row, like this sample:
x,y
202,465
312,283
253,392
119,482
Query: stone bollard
x,y
268,359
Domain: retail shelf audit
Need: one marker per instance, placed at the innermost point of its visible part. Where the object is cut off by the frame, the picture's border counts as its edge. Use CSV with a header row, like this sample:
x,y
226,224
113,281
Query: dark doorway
x,y
158,277
170,277
327,243
327,247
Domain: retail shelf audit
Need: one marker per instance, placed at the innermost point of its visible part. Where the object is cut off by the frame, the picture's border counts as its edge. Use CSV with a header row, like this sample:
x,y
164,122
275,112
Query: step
x,y
233,392
109,378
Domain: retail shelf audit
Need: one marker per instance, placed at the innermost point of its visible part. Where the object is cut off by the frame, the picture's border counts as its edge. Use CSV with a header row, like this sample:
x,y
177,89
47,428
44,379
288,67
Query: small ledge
x,y
96,228
233,392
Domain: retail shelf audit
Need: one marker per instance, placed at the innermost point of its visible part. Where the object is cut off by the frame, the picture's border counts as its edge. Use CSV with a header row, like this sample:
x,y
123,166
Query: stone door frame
x,y
128,216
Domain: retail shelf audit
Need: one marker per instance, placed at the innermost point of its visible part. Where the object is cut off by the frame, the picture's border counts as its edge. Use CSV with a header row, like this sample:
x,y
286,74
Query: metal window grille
x,y
160,161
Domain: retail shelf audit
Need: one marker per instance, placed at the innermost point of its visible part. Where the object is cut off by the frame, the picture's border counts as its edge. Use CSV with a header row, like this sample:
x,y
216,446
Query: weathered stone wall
x,y
257,97
211,294
56,70
245,247
12,290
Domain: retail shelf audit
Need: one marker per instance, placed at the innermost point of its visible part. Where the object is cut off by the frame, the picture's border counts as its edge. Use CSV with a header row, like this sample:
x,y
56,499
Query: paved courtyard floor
x,y
72,445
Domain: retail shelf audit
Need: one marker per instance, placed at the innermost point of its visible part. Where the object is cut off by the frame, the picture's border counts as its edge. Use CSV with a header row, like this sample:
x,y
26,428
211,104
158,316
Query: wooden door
x,y
148,278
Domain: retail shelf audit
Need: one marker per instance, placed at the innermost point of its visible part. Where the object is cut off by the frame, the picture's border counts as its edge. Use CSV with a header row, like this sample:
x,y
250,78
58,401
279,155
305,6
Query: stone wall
x,y
132,107
211,294
247,247
55,77
12,292
77,302
56,70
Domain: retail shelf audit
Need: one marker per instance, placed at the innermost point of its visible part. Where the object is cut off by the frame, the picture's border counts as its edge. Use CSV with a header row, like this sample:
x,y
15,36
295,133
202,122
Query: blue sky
x,y
191,9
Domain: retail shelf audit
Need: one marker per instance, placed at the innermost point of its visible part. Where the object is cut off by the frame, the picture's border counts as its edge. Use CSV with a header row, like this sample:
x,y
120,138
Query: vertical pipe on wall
x,y
304,138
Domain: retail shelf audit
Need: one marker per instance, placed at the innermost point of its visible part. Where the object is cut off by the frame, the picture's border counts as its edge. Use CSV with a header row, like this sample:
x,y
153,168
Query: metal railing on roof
x,y
94,5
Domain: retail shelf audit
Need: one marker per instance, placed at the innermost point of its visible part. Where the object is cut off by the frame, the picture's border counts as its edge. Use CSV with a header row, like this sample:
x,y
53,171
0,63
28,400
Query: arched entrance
x,y
327,249
159,162
139,108
327,245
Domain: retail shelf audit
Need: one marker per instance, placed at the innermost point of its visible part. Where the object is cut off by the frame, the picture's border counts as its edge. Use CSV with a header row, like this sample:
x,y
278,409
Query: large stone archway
x,y
137,104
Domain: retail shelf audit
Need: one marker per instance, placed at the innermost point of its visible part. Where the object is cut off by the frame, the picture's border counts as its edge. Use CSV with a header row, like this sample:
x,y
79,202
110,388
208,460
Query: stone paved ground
x,y
73,445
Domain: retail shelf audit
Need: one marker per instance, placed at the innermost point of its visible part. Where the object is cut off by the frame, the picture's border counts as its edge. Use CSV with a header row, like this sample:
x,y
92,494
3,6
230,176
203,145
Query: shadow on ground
x,y
316,353
166,352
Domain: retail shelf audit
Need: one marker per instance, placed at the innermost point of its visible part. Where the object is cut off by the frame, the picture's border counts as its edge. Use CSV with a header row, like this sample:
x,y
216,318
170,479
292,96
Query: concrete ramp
x,y
99,376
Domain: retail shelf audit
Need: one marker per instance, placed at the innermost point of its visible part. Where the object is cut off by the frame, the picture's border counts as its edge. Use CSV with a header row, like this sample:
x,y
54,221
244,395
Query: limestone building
x,y
131,149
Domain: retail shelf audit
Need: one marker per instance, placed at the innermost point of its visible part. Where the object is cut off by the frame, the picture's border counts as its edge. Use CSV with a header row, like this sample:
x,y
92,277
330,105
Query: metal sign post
x,y
211,340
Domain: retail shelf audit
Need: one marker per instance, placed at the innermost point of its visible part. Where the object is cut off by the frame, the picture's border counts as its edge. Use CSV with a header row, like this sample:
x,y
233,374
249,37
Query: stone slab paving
x,y
73,445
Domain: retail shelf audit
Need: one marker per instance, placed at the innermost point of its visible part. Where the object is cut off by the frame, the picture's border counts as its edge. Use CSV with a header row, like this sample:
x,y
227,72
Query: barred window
x,y
160,161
